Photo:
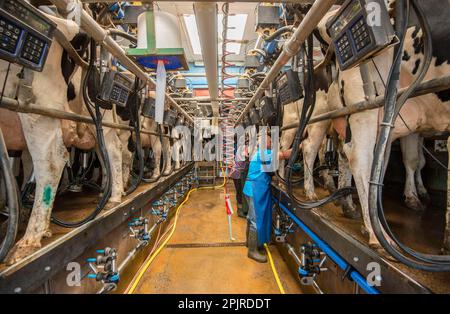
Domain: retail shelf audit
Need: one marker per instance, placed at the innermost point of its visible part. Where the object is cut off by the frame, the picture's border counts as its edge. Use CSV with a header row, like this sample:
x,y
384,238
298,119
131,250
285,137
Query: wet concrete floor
x,y
207,268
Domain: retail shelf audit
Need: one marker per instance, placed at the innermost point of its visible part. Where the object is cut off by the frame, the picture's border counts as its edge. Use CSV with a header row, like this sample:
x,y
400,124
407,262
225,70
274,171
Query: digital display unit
x,y
288,87
25,34
148,108
357,34
116,88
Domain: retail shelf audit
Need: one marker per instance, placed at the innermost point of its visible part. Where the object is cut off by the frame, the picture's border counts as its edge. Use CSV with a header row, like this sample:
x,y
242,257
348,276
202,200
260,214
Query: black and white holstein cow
x,y
426,115
47,138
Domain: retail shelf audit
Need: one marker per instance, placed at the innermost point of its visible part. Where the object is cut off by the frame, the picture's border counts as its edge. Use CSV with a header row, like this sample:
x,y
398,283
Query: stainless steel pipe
x,y
291,48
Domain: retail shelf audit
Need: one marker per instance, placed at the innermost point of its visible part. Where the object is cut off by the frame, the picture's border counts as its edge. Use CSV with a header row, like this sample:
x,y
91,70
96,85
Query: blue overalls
x,y
257,190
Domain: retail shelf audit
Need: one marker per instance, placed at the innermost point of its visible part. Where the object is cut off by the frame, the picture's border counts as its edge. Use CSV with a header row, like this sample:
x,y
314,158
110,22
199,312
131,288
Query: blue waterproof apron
x,y
262,201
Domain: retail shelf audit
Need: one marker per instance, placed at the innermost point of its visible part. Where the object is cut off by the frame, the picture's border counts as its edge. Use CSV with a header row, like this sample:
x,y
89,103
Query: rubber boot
x,y
240,211
253,251
244,207
247,234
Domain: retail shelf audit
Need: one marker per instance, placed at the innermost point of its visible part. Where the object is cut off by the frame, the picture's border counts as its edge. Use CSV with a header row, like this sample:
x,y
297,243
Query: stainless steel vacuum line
x,y
15,105
291,48
427,87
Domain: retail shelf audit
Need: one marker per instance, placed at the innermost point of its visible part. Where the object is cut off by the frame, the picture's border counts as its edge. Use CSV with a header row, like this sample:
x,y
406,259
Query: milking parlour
x,y
224,152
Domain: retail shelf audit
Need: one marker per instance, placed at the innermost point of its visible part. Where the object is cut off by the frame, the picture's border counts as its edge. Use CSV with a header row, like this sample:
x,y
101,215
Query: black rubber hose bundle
x,y
279,32
12,200
134,108
152,180
97,118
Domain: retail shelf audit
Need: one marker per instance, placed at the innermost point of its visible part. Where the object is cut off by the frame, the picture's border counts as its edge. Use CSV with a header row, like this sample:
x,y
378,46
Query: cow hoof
x,y
425,197
21,250
330,187
376,246
48,234
111,205
364,231
352,214
311,197
415,204
382,252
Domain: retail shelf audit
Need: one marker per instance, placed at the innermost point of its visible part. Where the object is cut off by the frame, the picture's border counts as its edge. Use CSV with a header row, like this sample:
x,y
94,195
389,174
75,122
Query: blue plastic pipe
x,y
330,252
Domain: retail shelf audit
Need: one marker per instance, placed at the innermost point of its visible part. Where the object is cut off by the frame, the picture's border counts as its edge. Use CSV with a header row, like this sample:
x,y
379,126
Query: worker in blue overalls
x,y
258,194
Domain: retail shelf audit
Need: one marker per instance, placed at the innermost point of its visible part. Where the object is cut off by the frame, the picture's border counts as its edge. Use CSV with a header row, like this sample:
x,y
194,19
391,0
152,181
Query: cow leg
x,y
360,156
421,190
446,248
114,148
127,158
167,156
44,141
310,148
410,152
156,148
345,180
176,154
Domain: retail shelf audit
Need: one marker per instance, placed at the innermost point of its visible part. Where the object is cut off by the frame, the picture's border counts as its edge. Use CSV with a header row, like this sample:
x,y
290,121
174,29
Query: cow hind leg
x,y
167,156
310,147
44,140
156,148
176,154
114,149
410,152
345,180
360,157
421,190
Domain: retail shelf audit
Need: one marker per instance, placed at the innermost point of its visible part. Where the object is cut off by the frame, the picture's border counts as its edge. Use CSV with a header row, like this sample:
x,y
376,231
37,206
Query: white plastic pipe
x,y
206,18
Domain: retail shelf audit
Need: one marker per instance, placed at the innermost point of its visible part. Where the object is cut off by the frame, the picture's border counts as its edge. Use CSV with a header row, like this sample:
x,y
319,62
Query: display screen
x,y
122,80
282,80
28,17
39,25
349,13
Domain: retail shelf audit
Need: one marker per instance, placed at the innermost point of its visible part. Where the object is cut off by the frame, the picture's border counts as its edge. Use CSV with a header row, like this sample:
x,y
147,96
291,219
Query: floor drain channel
x,y
200,245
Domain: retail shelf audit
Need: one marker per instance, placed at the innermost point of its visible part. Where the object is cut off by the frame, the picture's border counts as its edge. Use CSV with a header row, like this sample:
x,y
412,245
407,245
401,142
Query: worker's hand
x,y
285,154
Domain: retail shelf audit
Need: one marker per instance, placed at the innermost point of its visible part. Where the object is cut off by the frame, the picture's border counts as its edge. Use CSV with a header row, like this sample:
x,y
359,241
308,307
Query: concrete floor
x,y
212,269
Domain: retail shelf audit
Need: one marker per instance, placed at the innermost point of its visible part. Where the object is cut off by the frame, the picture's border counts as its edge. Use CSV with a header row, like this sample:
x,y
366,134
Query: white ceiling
x,y
181,8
